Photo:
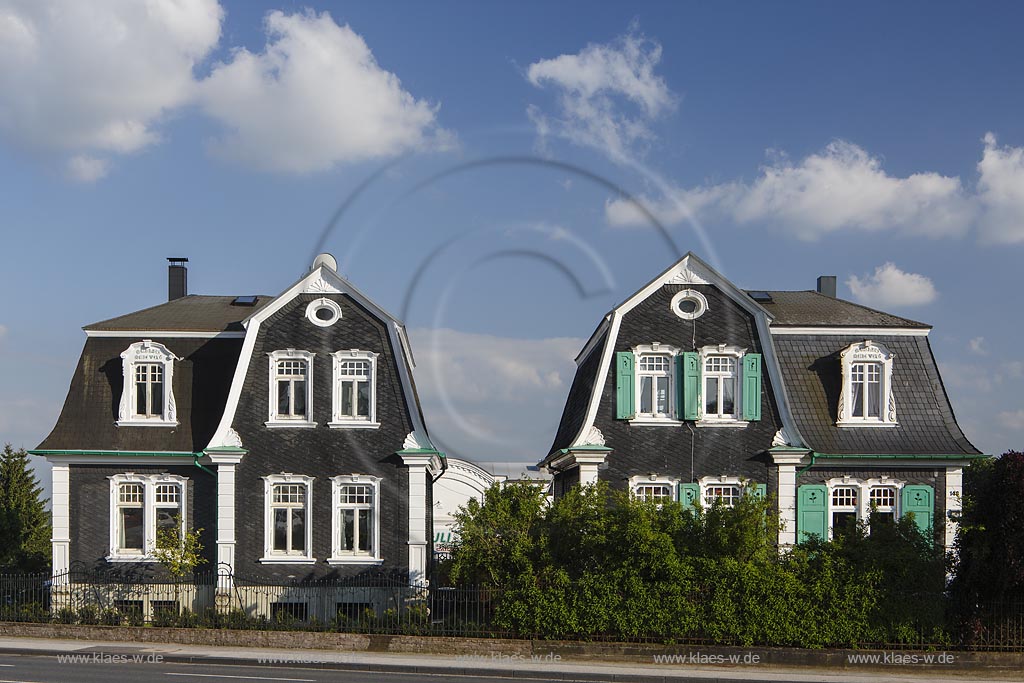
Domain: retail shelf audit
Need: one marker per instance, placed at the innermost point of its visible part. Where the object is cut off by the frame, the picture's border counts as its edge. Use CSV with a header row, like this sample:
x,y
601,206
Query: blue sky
x,y
879,142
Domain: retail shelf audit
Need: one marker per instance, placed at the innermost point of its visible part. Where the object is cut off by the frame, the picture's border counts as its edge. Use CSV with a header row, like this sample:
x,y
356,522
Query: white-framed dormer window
x,y
288,530
726,491
655,388
722,377
866,398
355,389
140,506
653,488
291,389
852,500
356,524
147,397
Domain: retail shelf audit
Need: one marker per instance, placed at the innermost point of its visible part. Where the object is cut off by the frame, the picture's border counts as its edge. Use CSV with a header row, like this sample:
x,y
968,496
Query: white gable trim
x,y
692,270
872,332
322,278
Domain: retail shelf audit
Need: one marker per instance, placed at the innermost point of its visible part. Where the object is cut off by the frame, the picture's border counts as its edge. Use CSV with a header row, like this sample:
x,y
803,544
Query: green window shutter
x,y
811,512
689,495
760,490
625,381
752,386
689,384
920,500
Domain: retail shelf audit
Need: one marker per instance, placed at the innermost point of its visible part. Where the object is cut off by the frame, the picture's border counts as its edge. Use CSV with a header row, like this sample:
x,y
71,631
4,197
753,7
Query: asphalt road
x,y
49,669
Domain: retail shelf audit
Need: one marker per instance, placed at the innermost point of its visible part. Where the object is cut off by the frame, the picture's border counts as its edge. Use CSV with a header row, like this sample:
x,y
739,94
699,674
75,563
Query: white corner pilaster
x,y
954,502
226,463
418,464
60,485
589,459
787,462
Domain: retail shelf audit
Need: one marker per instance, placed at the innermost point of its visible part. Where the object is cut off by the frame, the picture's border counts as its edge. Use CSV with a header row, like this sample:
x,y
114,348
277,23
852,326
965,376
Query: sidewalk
x,y
497,665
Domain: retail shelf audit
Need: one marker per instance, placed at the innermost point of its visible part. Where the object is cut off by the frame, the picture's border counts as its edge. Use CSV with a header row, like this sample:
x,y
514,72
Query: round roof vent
x,y
325,260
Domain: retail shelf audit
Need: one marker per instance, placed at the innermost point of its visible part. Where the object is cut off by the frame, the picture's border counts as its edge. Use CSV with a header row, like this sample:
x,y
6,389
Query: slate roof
x,y
192,313
813,377
811,309
575,411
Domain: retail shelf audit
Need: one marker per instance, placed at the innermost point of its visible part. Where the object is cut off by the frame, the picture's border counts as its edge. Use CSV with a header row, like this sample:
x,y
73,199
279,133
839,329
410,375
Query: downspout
x,y
809,465
204,468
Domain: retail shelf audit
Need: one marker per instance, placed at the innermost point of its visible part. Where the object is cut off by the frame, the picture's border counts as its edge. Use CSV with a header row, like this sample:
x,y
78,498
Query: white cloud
x,y
676,207
314,97
977,346
493,397
1001,190
1012,420
98,77
87,169
891,287
593,85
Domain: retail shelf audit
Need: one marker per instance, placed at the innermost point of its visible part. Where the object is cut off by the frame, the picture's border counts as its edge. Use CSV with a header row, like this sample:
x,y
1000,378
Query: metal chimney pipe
x,y
827,285
177,277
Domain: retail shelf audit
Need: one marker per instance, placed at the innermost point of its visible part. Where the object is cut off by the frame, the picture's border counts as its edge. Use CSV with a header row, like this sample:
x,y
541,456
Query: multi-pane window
x,y
140,507
882,502
355,519
866,390
288,515
167,505
720,387
149,390
354,377
290,378
728,494
659,493
844,509
654,372
131,515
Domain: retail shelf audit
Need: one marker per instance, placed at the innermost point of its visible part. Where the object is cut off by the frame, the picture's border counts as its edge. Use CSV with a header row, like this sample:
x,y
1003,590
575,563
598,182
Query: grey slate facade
x,y
909,447
188,436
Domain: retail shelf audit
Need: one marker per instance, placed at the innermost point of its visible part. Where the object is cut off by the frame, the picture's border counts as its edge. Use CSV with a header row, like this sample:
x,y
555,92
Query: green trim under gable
x,y
589,447
899,456
125,454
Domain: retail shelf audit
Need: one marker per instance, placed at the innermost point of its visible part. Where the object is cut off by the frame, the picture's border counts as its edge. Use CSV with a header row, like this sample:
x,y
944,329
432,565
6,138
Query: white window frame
x,y
149,483
867,352
707,483
736,353
274,420
638,482
147,352
271,556
318,304
655,349
339,556
338,420
864,487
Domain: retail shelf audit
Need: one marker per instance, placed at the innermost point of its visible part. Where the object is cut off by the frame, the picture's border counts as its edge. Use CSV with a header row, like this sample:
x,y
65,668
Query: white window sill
x,y
866,423
353,424
647,421
129,558
145,423
355,559
285,559
721,423
294,424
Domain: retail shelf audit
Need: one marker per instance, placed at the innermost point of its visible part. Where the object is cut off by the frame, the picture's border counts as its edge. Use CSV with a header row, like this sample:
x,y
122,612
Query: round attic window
x,y
689,304
323,312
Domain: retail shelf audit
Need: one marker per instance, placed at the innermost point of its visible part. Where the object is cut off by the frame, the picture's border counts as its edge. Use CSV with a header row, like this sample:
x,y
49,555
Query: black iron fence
x,y
365,604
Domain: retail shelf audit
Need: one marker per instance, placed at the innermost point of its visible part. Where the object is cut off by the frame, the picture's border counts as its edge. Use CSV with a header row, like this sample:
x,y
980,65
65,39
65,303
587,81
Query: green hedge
x,y
599,564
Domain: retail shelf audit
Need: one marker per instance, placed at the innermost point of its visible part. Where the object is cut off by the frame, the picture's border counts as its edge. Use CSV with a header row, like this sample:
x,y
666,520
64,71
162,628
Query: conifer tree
x,y
24,521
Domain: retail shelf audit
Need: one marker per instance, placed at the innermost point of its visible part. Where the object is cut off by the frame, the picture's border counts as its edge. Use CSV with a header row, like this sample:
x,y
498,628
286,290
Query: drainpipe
x,y
809,465
195,461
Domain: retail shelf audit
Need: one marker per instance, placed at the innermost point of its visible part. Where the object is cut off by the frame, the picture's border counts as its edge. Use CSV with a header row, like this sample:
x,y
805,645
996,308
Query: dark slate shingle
x,y
811,309
192,313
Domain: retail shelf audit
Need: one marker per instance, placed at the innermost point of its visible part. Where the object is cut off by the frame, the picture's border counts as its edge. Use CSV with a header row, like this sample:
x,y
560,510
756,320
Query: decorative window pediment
x,y
147,395
653,488
866,399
